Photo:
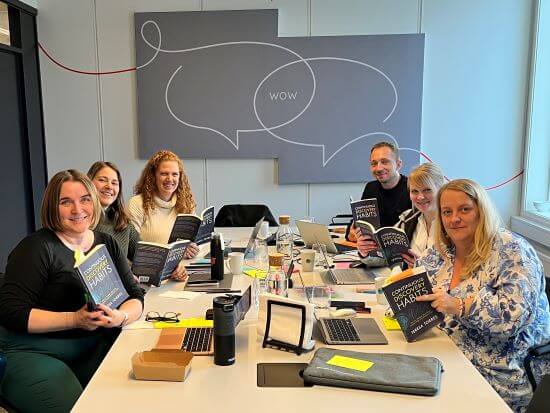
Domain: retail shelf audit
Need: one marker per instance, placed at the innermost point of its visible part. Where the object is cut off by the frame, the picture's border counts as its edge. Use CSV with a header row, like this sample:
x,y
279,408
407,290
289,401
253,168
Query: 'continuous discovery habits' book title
x,y
100,278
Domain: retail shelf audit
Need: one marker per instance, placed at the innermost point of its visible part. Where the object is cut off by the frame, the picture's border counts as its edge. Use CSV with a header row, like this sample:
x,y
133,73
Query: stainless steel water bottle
x,y
224,331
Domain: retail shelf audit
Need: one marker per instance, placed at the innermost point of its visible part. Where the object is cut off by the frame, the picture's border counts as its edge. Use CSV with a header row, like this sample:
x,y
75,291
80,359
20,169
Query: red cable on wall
x,y
83,72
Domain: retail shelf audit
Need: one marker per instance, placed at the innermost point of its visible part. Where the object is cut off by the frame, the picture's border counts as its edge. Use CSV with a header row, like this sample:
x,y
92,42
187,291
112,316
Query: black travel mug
x,y
224,331
216,256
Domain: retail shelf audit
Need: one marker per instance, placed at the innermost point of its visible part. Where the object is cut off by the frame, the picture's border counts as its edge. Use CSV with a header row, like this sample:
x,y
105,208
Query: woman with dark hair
x,y
52,342
490,285
114,220
162,192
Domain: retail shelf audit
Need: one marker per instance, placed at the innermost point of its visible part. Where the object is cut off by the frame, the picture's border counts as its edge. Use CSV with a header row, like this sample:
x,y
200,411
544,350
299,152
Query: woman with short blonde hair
x,y
490,285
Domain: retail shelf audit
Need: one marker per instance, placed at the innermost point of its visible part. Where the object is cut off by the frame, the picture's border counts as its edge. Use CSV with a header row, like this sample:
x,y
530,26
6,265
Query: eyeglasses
x,y
168,317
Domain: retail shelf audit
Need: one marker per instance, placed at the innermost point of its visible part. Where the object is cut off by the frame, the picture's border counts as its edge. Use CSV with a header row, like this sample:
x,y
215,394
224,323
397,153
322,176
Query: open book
x,y
366,210
100,278
193,227
392,242
414,317
155,262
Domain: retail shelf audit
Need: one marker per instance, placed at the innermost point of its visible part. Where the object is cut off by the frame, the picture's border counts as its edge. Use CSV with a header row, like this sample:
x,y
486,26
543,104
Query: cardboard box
x,y
168,365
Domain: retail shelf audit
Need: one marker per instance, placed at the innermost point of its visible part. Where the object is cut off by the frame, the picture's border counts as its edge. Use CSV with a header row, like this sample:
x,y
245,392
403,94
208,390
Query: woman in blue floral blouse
x,y
490,285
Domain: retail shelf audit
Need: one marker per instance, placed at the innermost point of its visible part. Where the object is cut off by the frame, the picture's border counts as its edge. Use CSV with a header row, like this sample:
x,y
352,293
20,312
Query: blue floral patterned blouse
x,y
508,316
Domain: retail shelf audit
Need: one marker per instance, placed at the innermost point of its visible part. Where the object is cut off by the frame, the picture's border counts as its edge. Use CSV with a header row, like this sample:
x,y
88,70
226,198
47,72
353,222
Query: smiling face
x,y
107,183
76,208
167,178
422,197
459,216
385,166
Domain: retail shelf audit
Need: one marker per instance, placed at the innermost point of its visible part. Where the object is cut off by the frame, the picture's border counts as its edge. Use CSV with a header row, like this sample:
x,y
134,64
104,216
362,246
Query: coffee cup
x,y
235,260
307,258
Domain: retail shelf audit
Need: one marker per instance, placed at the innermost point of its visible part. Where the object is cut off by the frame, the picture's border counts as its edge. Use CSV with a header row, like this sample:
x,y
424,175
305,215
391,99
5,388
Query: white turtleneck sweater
x,y
156,226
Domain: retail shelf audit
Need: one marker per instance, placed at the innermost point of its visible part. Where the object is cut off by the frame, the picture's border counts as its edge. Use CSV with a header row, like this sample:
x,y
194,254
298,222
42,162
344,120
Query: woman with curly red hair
x,y
162,192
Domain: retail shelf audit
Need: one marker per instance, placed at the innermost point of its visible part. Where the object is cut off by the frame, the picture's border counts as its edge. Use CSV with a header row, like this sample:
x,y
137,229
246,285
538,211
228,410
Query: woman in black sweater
x,y
52,342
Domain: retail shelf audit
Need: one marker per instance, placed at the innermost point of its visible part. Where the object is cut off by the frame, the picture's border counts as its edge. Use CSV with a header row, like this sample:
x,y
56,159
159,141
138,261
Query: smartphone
x,y
358,306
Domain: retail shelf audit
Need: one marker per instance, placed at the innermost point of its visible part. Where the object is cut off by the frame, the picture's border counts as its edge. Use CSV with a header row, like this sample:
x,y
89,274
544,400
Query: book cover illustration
x,y
101,279
366,210
414,317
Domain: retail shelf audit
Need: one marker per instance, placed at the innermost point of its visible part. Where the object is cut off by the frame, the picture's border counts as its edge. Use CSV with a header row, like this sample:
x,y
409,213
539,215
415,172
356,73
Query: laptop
x,y
312,232
347,276
248,249
350,330
200,340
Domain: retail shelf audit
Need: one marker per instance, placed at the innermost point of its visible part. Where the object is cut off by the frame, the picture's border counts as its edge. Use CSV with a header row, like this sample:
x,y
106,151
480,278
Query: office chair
x,y
540,403
536,352
243,215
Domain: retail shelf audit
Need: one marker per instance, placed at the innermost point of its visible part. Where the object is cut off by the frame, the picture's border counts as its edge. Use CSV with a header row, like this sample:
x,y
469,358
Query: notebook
x,y
199,340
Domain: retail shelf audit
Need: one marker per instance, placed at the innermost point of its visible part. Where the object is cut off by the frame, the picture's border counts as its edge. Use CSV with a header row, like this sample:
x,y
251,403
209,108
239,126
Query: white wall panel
x,y
70,100
474,91
115,26
253,181
475,80
348,17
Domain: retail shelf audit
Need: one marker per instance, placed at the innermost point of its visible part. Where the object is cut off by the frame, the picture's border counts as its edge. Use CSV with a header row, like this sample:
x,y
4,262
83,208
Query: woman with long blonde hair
x,y
162,192
490,285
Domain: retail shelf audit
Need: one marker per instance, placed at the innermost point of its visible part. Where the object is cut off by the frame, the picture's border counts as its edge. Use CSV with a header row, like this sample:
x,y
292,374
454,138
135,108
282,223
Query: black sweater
x,y
40,274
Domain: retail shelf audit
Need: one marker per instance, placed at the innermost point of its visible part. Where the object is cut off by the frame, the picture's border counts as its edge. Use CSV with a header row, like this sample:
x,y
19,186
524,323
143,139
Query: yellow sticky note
x,y
350,363
254,273
186,322
391,323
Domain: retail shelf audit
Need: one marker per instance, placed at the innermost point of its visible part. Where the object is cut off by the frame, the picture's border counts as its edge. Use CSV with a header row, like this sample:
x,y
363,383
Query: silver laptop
x,y
249,247
347,276
312,232
351,331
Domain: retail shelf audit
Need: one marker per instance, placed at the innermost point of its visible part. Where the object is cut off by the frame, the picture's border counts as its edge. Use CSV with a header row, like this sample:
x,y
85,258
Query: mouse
x,y
343,312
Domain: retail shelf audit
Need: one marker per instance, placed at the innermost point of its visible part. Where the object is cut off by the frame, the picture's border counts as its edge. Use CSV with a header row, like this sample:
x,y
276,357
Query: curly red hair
x,y
146,185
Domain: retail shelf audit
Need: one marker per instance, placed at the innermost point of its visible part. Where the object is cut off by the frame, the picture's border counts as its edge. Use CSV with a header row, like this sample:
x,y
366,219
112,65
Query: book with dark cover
x,y
392,242
414,317
155,262
366,210
193,227
101,279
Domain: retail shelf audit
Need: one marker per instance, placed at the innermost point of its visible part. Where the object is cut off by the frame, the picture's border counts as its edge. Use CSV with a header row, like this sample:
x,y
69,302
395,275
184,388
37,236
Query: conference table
x,y
212,388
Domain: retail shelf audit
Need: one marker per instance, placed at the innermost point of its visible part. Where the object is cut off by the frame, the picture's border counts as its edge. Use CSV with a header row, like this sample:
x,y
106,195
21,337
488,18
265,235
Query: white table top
x,y
211,388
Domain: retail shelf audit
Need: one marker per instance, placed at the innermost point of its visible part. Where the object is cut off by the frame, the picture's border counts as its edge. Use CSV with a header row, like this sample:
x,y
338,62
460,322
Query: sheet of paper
x,y
184,295
350,363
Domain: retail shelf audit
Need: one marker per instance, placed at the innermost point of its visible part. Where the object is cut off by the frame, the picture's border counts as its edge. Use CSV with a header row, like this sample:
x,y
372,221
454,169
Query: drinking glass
x,y
319,296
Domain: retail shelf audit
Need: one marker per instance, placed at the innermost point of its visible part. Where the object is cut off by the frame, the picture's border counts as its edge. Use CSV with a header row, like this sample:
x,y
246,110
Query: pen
x,y
221,290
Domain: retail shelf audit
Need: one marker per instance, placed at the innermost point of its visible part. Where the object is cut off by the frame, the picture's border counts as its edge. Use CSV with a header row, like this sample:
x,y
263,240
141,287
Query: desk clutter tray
x,y
387,372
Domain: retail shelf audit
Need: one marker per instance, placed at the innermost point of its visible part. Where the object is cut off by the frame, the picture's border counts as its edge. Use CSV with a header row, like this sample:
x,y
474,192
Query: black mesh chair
x,y
243,215
536,352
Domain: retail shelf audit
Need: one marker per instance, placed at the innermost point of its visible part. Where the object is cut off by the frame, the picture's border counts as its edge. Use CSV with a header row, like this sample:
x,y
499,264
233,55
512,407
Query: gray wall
x,y
475,88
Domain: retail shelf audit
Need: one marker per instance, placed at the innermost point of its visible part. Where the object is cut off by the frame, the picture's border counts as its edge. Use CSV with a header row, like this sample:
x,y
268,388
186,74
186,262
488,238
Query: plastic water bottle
x,y
284,237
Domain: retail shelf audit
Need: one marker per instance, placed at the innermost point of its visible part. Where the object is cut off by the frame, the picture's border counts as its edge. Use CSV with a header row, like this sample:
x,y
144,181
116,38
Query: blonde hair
x,y
49,211
146,185
427,174
485,233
